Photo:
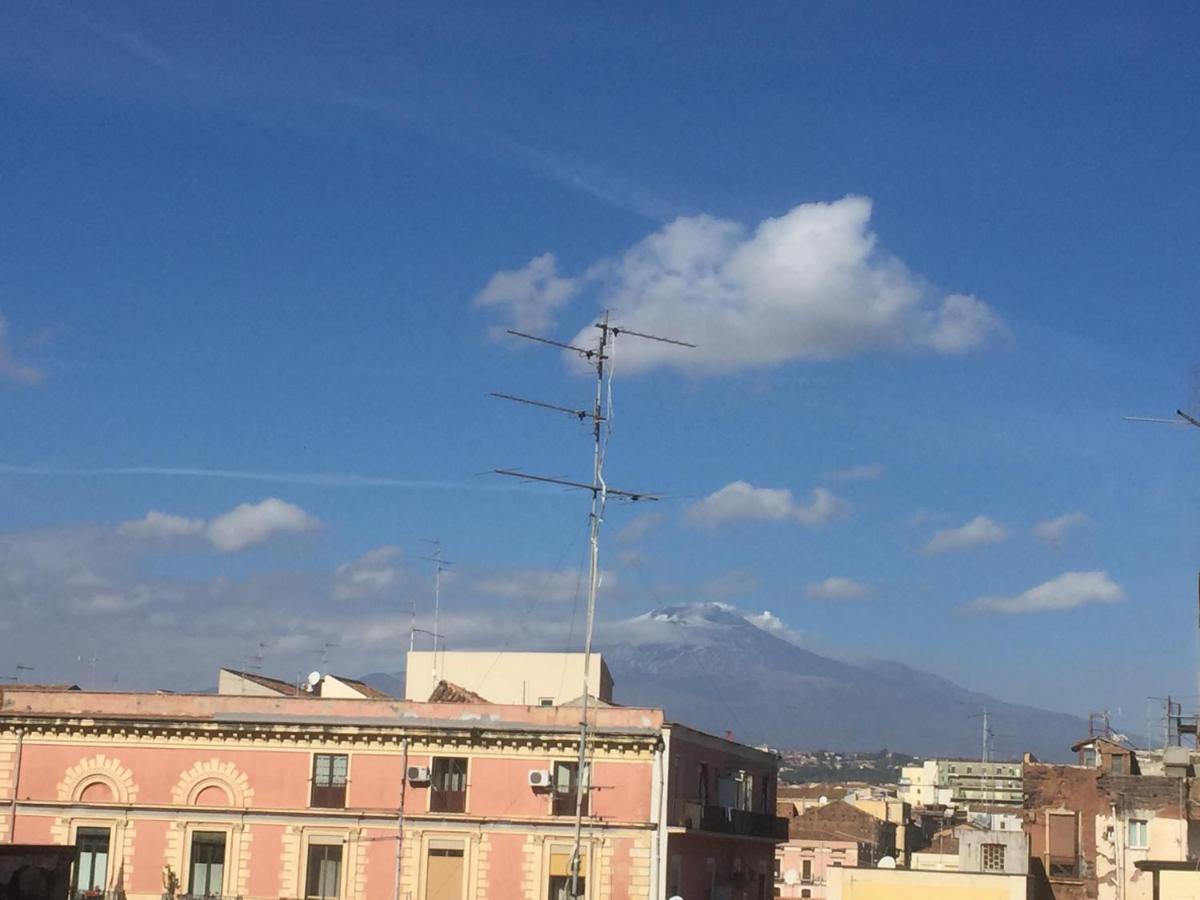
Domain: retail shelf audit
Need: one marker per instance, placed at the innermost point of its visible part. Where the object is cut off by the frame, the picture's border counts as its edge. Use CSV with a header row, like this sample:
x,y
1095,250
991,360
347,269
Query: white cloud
x,y
772,624
371,574
528,298
12,368
254,523
1054,531
1068,591
836,589
866,472
638,527
980,530
812,284
241,527
740,501
161,526
551,585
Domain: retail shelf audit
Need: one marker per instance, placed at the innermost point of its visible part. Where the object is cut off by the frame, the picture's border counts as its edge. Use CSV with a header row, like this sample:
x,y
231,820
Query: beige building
x,y
525,679
910,884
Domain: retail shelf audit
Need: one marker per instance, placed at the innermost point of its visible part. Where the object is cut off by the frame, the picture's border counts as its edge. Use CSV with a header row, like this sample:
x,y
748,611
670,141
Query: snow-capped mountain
x,y
713,668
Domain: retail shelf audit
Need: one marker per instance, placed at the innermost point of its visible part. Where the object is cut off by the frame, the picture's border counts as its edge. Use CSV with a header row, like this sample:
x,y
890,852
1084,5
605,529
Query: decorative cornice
x,y
314,736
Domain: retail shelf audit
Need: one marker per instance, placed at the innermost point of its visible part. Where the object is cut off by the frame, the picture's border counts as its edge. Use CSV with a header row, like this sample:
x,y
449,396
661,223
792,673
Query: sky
x,y
257,263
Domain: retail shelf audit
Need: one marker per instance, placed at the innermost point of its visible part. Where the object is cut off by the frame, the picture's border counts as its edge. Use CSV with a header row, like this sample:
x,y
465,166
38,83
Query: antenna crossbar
x,y
580,414
1191,420
580,485
589,354
617,329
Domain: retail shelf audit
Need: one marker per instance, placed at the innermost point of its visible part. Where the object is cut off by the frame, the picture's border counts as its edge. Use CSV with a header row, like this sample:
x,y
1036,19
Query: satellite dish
x,y
888,862
676,897
314,678
791,876
822,800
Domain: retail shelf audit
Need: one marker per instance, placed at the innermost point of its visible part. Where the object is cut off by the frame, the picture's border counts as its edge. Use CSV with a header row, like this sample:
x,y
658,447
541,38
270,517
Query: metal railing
x,y
726,820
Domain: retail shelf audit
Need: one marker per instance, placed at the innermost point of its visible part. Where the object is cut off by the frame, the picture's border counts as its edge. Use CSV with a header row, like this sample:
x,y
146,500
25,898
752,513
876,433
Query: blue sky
x,y
948,247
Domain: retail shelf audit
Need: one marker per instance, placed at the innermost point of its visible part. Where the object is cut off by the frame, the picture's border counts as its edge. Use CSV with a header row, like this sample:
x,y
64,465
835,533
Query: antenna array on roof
x,y
600,417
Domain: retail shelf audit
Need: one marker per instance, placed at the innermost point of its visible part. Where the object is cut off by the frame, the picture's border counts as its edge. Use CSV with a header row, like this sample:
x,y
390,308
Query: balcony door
x,y
208,864
91,860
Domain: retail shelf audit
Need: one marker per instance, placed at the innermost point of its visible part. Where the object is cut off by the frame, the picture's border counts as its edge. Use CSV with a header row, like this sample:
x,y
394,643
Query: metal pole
x,y
583,777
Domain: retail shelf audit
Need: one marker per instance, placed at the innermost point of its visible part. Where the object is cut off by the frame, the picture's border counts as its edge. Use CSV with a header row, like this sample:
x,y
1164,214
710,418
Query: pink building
x,y
299,796
802,865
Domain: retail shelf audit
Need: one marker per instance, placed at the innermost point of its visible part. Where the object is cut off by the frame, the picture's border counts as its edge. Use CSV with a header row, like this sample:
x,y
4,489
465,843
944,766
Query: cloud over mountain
x,y
741,501
813,284
836,589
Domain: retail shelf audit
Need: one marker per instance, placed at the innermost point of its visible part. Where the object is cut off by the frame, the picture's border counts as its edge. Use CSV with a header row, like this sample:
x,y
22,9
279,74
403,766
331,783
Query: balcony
x,y
724,820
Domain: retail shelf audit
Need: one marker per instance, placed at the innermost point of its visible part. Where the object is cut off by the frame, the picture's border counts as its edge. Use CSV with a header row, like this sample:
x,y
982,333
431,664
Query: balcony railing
x,y
724,820
447,801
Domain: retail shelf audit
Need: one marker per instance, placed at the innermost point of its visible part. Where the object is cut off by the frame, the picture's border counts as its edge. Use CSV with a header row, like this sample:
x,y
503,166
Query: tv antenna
x,y
440,564
15,678
600,417
1182,418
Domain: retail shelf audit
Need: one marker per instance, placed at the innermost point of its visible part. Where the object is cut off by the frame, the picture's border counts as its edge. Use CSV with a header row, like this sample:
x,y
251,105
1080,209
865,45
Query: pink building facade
x,y
373,799
802,866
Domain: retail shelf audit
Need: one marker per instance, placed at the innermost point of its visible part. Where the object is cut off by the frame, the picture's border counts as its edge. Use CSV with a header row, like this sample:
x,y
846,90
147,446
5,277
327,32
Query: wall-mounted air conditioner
x,y
540,778
418,774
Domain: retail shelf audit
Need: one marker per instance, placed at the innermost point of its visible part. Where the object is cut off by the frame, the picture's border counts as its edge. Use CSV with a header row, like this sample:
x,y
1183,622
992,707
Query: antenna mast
x,y
439,566
1182,418
601,420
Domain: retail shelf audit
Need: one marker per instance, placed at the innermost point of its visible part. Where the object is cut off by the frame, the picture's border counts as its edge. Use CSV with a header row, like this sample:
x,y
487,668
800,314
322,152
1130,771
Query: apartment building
x,y
290,794
961,782
1093,827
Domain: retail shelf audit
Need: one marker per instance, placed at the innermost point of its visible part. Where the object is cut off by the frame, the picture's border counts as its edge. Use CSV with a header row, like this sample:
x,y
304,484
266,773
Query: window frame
x,y
326,846
442,800
331,795
1145,832
999,853
191,860
567,806
91,831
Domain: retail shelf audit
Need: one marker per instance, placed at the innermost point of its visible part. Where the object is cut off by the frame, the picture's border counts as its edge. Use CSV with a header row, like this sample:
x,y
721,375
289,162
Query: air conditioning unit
x,y
418,774
540,778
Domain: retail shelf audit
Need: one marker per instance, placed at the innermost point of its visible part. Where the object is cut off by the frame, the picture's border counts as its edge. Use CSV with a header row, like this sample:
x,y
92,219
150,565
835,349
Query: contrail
x,y
319,479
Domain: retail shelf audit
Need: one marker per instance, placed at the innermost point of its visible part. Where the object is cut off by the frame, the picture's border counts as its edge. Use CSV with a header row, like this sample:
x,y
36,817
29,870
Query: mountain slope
x,y
713,669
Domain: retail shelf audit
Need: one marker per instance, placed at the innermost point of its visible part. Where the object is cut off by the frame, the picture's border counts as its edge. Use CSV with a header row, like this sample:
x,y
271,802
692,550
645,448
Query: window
x,y
566,784
448,784
560,876
1062,845
444,872
545,701
1139,834
1117,764
91,859
993,857
805,893
329,780
208,864
806,870
778,868
324,872
702,789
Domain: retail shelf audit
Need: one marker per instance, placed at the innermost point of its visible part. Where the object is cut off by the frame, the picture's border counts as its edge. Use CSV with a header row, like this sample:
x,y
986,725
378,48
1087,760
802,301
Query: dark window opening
x,y
329,780
324,872
448,784
566,784
208,864
91,860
